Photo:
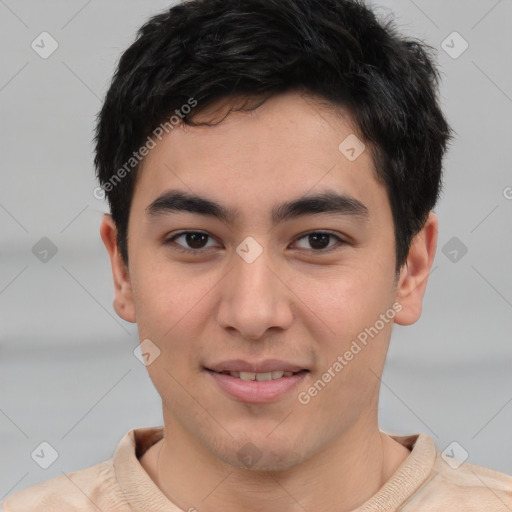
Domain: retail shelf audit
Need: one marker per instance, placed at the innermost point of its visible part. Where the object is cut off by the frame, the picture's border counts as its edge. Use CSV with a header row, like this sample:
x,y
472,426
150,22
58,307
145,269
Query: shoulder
x,y
85,490
467,488
100,487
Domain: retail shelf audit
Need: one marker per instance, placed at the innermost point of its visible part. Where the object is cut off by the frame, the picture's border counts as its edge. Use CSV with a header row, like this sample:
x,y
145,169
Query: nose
x,y
255,298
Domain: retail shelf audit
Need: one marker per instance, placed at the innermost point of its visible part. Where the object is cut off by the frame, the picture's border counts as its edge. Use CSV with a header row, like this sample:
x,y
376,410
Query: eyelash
x,y
180,248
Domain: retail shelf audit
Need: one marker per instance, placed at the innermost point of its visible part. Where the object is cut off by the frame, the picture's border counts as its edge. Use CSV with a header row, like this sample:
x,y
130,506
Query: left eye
x,y
319,240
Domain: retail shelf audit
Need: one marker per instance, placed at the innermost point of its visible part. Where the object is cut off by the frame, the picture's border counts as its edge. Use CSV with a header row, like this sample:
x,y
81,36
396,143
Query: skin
x,y
294,302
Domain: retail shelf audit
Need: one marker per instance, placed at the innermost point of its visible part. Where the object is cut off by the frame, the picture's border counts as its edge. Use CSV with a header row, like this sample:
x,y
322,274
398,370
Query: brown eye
x,y
319,240
194,241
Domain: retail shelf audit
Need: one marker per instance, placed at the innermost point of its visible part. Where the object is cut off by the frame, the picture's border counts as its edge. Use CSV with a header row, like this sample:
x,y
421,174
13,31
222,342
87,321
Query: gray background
x,y
67,372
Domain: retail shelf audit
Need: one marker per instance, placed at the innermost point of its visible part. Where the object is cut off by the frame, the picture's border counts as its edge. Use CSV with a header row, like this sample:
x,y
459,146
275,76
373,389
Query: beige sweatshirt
x,y
423,482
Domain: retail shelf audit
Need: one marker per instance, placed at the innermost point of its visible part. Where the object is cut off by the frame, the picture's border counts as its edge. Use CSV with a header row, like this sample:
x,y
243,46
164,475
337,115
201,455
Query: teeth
x,y
277,374
247,375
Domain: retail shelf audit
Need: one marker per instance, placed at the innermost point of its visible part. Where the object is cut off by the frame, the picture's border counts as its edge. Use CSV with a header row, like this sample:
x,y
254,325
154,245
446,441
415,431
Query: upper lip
x,y
268,365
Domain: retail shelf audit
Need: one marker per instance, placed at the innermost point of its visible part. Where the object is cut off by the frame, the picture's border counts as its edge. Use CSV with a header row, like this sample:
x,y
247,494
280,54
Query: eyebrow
x,y
328,202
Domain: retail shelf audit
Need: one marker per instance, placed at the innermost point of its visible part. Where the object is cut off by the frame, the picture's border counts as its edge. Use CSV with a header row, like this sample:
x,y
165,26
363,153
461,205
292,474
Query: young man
x,y
271,168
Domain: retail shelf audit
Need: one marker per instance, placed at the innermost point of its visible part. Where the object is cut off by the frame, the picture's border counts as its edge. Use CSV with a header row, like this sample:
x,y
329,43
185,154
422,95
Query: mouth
x,y
257,387
259,376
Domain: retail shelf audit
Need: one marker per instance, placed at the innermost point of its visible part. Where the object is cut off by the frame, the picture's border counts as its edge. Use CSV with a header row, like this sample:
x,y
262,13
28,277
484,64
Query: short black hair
x,y
200,51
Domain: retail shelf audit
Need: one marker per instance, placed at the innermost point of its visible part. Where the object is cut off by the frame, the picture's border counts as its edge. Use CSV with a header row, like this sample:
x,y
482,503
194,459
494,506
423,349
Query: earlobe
x,y
413,278
123,297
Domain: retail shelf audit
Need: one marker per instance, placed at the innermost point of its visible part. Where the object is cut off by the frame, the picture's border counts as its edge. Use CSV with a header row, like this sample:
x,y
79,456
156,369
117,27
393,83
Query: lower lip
x,y
255,391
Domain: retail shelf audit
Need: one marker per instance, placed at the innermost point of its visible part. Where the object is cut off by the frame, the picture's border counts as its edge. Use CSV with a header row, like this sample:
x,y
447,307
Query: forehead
x,y
290,146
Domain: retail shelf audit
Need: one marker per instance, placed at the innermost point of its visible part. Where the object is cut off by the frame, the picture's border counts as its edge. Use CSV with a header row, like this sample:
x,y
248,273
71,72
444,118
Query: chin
x,y
260,455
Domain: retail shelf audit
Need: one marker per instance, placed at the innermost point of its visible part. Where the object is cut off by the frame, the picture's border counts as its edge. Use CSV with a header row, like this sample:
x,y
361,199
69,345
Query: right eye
x,y
194,240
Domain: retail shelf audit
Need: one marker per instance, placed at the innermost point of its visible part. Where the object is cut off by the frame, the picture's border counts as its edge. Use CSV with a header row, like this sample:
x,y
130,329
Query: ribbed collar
x,y
143,494
407,478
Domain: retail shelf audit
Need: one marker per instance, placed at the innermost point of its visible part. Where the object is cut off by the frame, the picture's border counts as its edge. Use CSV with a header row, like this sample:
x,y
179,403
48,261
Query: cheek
x,y
172,310
164,295
347,308
345,301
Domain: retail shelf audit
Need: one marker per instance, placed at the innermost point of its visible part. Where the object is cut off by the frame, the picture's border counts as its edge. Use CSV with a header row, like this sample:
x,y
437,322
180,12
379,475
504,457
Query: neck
x,y
337,479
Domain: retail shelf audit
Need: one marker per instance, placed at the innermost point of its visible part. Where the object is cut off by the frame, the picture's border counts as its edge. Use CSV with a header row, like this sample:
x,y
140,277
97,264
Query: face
x,y
253,286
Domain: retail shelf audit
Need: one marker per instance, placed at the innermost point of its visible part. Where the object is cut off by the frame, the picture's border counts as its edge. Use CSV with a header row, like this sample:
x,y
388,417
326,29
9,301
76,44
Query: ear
x,y
123,298
412,281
